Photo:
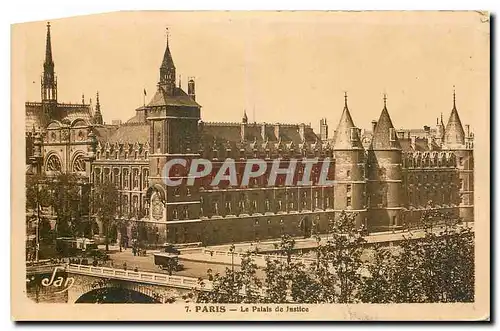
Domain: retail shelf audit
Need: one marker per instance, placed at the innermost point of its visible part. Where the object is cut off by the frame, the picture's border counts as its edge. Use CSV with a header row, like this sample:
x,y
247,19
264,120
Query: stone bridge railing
x,y
146,277
138,276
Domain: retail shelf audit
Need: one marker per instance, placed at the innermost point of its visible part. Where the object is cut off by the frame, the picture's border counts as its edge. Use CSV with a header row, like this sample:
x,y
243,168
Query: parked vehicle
x,y
168,261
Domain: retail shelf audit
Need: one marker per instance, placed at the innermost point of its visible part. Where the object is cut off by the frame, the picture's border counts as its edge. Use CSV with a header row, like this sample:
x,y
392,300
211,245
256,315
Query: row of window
x,y
250,206
122,178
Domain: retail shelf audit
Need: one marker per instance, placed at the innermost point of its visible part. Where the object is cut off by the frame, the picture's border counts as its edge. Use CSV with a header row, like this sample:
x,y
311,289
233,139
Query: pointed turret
x,y
49,82
245,117
454,133
167,71
97,119
384,134
346,135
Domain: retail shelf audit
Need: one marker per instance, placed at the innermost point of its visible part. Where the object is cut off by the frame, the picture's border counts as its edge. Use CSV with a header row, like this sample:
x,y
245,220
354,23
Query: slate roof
x,y
454,132
342,135
380,140
130,133
179,98
66,113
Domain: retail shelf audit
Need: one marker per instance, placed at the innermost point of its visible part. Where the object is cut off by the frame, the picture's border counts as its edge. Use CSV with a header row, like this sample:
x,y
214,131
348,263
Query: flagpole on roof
x,y
144,98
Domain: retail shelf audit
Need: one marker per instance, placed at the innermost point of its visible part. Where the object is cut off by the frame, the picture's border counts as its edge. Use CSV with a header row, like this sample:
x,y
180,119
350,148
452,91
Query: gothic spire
x,y
48,49
97,115
49,83
167,71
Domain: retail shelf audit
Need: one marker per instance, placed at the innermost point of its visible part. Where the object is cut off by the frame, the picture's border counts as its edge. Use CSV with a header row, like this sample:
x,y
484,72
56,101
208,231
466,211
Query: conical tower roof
x,y
342,136
381,135
454,132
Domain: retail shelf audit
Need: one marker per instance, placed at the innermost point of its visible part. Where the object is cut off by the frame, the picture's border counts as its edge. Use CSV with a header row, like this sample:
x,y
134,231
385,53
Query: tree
x,y
66,193
377,285
105,206
436,268
241,286
339,260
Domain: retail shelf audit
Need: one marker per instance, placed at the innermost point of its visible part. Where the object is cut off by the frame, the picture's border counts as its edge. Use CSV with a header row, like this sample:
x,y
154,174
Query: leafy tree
x,y
105,206
339,260
436,268
235,286
377,286
66,200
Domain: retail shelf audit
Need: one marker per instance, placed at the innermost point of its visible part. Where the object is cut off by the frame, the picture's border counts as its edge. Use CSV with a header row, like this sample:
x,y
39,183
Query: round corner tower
x,y
349,187
384,176
461,144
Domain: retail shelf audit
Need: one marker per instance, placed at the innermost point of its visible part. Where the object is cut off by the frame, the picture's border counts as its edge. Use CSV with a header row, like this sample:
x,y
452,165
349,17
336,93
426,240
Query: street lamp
x,y
231,249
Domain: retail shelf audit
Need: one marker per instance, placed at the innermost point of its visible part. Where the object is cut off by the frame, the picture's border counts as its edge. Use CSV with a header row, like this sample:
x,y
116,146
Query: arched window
x,y
79,164
53,163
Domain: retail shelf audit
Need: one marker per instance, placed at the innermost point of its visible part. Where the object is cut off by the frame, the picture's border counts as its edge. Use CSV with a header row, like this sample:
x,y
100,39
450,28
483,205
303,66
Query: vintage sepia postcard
x,y
251,166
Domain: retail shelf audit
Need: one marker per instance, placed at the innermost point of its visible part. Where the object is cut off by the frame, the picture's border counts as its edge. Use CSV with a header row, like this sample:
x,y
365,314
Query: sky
x,y
286,67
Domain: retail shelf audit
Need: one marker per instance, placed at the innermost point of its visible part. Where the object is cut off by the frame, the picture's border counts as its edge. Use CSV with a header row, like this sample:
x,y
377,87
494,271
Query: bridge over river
x,y
74,283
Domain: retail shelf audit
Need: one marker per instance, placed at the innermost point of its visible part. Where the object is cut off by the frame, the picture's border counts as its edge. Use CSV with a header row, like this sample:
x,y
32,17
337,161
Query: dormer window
x,y
354,136
392,134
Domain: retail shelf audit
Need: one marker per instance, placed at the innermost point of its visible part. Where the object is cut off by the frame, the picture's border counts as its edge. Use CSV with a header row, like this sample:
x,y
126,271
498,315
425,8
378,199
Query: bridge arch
x,y
115,295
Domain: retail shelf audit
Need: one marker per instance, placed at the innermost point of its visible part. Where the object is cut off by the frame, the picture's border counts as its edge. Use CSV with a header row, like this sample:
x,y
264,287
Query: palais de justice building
x,y
387,176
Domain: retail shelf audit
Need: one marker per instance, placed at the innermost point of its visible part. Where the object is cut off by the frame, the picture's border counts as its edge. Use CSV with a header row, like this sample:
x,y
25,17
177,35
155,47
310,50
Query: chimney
x,y
374,124
323,129
277,130
191,90
263,131
467,130
413,141
302,131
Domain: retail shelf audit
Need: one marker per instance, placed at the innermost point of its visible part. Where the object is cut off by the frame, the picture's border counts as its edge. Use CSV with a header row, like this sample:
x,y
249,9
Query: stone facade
x,y
386,176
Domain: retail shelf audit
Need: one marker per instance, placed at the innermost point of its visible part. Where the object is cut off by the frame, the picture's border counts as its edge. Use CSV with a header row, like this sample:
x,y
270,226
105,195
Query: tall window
x,y
145,176
116,177
135,176
135,205
107,175
97,176
348,202
158,140
125,205
125,178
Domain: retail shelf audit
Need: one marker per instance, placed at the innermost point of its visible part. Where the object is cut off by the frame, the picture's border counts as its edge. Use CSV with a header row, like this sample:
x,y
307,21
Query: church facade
x,y
385,175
